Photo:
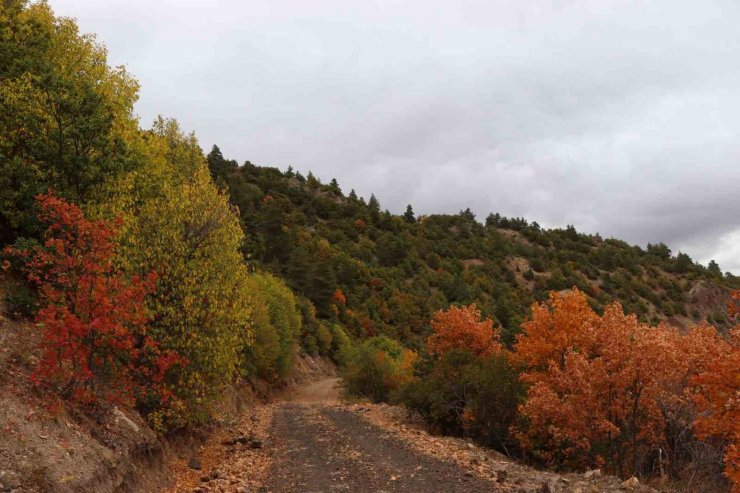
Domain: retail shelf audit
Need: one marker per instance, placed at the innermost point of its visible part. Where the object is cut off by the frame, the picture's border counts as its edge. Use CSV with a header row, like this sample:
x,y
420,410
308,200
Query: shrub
x,y
262,351
93,318
324,338
378,368
285,319
21,301
462,328
178,224
605,390
341,345
462,394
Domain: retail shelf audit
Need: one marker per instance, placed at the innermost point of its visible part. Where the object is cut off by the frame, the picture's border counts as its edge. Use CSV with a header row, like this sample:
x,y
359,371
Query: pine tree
x,y
374,206
408,216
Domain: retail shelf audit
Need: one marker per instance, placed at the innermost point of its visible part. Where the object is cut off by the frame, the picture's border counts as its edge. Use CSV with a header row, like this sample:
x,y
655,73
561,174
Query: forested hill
x,y
381,273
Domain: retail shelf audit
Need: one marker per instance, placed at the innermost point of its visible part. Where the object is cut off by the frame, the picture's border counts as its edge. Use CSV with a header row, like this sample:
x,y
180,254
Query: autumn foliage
x,y
462,328
606,390
93,318
719,399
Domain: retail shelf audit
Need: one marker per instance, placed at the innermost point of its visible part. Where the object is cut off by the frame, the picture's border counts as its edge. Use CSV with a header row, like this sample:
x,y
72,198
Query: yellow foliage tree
x,y
179,225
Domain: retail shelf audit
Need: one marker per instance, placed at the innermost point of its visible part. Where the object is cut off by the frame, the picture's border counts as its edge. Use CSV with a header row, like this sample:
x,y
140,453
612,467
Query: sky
x,y
619,117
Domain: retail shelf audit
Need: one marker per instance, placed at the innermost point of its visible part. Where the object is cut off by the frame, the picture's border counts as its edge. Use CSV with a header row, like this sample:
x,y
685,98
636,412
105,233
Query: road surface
x,y
323,447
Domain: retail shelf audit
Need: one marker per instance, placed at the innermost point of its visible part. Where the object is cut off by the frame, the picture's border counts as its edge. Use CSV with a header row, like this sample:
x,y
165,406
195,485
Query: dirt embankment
x,y
64,450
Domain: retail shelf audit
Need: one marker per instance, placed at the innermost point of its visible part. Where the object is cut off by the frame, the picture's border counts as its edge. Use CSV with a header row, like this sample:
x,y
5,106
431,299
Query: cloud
x,y
621,117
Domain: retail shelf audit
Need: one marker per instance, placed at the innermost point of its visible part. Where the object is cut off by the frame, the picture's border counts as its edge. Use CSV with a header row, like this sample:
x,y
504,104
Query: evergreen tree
x,y
374,207
408,216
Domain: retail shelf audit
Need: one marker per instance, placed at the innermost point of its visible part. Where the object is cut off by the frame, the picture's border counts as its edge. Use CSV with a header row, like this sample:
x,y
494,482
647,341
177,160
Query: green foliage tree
x,y
409,216
285,318
67,117
378,368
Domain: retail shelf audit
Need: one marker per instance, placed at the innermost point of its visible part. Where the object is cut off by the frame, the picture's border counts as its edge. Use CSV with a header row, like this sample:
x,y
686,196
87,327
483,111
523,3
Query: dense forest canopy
x,y
396,270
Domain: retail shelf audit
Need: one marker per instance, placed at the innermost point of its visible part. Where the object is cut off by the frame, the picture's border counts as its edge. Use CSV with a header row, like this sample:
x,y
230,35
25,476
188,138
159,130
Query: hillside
x,y
144,285
395,271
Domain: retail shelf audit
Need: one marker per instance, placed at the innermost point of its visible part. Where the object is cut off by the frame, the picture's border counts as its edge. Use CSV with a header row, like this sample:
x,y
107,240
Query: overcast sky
x,y
619,117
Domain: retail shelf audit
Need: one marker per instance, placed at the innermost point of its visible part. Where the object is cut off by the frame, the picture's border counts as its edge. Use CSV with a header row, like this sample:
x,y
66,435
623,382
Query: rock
x,y
215,474
242,489
205,478
501,476
631,483
238,439
194,463
592,473
548,487
256,444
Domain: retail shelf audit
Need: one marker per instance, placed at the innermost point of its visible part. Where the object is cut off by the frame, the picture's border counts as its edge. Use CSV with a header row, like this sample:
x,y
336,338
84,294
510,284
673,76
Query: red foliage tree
x,y
93,318
462,328
338,297
605,389
719,398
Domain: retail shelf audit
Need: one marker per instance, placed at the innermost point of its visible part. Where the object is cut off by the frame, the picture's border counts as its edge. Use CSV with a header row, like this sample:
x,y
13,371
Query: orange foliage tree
x,y
93,318
604,390
462,328
719,398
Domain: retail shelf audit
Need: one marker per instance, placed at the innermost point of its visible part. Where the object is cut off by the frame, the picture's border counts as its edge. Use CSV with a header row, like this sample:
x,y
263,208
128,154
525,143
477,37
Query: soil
x,y
310,441
332,449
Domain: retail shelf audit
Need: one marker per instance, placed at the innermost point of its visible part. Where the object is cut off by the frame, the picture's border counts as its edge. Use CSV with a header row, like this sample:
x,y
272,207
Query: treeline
x,y
118,243
576,391
395,271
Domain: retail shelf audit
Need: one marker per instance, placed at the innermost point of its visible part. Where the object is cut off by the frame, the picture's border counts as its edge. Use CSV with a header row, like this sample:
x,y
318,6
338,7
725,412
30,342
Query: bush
x,y
378,369
461,394
260,355
285,320
324,338
93,318
21,301
178,224
341,345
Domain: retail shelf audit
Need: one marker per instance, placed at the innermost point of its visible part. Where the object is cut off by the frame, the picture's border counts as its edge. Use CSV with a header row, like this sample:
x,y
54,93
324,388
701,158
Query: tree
x,y
408,216
178,224
683,263
95,341
462,328
604,389
374,207
67,118
284,317
714,268
379,368
219,167
560,325
719,398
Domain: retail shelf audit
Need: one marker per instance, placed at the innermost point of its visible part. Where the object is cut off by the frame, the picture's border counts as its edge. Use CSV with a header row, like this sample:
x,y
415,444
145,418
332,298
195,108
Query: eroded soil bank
x,y
67,451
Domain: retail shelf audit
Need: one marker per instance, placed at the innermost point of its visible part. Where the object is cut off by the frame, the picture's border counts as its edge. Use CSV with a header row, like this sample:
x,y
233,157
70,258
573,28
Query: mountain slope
x,y
380,273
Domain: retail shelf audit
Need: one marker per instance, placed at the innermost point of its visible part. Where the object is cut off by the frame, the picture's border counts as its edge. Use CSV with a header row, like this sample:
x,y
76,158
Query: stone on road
x,y
325,448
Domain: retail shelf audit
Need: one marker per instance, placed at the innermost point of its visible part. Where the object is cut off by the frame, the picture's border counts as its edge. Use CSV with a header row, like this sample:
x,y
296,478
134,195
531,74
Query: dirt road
x,y
308,442
322,447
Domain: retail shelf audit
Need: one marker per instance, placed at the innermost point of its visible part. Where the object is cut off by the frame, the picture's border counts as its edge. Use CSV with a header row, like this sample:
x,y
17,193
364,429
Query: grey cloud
x,y
620,117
